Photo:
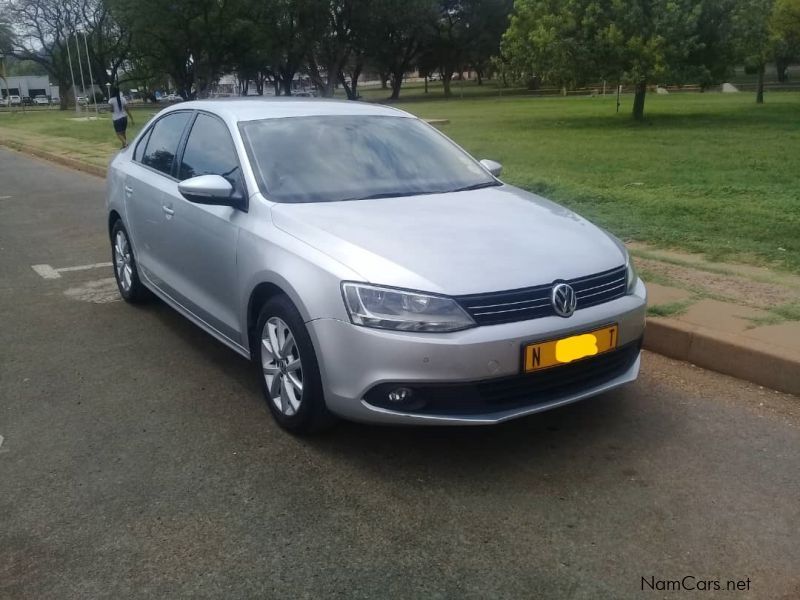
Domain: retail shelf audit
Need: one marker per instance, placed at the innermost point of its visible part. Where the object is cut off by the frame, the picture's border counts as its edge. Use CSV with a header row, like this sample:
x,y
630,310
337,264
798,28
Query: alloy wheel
x,y
123,261
283,369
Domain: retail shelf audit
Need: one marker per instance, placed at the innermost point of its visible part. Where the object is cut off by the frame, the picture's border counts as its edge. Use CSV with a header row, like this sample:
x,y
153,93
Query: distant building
x,y
30,86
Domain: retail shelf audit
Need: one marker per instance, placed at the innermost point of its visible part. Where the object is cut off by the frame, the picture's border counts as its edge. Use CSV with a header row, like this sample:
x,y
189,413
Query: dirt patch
x,y
725,287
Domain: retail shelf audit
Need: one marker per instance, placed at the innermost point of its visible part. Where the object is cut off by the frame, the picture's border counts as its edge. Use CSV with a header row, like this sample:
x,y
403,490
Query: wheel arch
x,y
260,295
113,217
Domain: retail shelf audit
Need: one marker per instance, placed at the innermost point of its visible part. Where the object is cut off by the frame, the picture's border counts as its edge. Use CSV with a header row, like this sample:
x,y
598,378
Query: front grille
x,y
534,302
518,391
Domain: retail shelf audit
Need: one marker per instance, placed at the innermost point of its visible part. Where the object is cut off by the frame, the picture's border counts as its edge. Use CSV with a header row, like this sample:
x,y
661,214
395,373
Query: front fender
x,y
310,278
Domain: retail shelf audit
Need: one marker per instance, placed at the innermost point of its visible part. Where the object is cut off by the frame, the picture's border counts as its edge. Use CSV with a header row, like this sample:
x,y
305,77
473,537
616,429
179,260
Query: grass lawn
x,y
710,173
68,124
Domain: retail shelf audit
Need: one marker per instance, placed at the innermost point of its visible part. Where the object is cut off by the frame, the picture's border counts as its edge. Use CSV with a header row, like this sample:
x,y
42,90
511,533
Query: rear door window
x,y
163,143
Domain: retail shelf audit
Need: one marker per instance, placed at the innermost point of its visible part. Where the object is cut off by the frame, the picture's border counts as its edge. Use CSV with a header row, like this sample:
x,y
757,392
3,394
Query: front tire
x,y
124,264
290,376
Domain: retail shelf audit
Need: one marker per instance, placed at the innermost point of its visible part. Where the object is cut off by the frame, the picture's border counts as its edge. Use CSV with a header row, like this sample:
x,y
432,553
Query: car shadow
x,y
589,435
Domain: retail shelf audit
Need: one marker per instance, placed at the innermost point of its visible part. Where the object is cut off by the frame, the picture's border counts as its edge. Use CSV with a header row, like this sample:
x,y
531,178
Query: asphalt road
x,y
138,460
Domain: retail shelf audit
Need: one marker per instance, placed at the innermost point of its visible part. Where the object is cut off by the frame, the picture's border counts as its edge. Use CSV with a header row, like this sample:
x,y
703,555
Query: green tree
x,y
571,42
332,30
398,33
43,29
191,40
465,33
488,20
785,27
754,40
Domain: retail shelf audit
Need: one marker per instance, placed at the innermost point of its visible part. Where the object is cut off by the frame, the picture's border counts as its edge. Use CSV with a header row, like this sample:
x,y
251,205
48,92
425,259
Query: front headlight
x,y
630,276
388,308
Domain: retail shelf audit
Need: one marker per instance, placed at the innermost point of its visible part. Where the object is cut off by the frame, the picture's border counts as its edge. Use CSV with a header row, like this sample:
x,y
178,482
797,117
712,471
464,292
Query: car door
x,y
150,175
200,240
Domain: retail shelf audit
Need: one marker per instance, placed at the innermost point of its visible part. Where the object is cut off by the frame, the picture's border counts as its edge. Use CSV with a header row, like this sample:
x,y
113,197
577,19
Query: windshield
x,y
330,158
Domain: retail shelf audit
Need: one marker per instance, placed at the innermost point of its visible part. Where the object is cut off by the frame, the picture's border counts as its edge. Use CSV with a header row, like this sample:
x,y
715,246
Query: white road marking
x,y
100,291
48,272
84,267
5,197
1,444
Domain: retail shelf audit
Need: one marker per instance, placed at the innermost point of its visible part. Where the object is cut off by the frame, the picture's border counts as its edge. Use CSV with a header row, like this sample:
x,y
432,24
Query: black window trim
x,y
182,148
142,142
178,151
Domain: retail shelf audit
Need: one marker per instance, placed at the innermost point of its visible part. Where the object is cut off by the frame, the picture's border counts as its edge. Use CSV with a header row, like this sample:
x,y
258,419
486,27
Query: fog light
x,y
400,394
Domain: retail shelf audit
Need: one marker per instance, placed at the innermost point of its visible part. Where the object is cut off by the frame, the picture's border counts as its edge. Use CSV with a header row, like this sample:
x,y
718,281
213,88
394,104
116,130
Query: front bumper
x,y
354,360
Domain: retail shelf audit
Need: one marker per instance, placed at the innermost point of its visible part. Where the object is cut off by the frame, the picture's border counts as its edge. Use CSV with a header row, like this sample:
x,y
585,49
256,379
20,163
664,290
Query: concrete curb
x,y
729,354
64,161
725,353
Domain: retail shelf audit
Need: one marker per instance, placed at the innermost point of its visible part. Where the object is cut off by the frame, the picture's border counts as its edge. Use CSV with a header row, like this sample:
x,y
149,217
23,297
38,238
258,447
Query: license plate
x,y
552,353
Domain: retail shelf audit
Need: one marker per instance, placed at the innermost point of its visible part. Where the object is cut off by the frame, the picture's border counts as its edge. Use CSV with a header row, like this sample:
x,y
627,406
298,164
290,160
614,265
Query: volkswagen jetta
x,y
370,267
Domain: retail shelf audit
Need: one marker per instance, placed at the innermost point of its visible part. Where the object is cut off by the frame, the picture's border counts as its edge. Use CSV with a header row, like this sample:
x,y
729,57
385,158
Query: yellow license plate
x,y
552,353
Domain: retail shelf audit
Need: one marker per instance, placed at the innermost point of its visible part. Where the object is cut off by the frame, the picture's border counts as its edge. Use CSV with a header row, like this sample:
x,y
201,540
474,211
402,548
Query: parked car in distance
x,y
14,100
304,94
174,98
41,100
371,268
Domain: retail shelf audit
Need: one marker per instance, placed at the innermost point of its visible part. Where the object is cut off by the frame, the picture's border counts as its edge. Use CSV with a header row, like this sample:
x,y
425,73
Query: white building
x,y
30,86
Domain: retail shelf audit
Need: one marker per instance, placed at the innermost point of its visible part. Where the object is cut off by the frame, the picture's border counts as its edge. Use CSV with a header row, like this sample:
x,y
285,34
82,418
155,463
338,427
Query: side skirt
x,y
178,307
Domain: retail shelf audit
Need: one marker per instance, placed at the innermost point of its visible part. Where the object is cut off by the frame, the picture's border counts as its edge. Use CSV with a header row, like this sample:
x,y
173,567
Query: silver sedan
x,y
369,266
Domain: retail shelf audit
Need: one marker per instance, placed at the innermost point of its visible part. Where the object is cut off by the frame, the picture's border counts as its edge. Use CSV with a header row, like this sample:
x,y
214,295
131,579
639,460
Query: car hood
x,y
456,243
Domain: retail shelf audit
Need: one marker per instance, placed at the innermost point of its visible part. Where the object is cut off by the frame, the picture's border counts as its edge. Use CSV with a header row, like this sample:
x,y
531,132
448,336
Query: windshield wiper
x,y
385,195
477,186
474,186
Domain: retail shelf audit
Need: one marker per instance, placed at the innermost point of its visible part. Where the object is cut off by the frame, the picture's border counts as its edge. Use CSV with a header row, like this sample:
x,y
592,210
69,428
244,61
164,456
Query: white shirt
x,y
117,112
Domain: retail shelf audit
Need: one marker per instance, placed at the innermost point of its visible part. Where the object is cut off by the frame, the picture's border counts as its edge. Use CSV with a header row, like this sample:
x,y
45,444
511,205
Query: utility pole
x,y
72,77
80,67
91,81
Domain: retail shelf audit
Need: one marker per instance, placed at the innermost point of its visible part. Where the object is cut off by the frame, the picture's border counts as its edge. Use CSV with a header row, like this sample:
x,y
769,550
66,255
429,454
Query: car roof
x,y
253,109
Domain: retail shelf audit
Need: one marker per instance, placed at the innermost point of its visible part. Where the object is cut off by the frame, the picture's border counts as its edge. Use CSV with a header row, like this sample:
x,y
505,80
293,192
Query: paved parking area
x,y
139,460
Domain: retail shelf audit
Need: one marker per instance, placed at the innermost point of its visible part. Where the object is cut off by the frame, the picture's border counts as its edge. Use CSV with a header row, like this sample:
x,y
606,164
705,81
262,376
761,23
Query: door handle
x,y
128,190
167,210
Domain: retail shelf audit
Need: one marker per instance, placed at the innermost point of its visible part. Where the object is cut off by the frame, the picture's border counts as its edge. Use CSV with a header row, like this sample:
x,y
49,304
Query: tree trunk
x,y
447,77
384,81
479,75
65,92
351,89
638,100
354,84
355,73
760,89
397,83
781,64
330,83
426,83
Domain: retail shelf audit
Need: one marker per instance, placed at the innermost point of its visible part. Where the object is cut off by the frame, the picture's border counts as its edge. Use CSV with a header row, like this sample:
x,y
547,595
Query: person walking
x,y
120,115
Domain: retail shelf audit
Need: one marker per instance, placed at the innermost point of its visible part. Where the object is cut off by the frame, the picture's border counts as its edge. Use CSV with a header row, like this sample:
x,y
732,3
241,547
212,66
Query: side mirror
x,y
209,189
494,167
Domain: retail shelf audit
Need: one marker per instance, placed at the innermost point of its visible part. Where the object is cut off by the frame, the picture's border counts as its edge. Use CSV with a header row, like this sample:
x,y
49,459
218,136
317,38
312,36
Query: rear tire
x,y
290,376
124,264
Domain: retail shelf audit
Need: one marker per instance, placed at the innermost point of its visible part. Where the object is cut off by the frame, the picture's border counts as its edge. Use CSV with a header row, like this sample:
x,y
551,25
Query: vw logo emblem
x,y
563,299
